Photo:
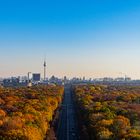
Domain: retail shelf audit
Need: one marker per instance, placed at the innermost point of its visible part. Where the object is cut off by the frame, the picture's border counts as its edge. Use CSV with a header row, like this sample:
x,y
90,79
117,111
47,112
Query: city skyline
x,y
79,38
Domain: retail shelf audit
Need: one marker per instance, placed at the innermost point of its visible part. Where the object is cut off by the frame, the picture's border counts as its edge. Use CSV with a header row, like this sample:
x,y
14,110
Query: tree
x,y
120,126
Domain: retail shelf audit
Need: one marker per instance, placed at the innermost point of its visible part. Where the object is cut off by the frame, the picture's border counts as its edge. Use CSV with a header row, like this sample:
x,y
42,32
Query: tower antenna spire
x,y
45,68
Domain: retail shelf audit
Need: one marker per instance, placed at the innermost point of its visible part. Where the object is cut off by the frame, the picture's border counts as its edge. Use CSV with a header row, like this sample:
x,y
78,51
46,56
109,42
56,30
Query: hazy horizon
x,y
78,38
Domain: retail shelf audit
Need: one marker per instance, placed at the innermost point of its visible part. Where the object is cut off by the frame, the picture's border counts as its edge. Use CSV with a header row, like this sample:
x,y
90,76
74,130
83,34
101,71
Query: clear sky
x,y
92,38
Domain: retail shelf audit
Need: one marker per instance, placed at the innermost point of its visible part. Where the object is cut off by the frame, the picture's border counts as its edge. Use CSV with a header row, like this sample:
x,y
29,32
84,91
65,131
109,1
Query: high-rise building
x,y
29,76
36,77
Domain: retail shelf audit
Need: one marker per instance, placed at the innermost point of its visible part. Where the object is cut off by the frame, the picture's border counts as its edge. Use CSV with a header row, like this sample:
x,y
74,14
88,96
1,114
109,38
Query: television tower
x,y
44,70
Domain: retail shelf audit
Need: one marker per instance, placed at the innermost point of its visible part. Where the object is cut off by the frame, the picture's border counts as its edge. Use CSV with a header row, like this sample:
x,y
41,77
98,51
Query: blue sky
x,y
92,38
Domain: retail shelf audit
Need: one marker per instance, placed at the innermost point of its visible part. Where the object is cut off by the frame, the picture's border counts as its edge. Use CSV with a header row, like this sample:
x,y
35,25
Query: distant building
x,y
65,81
84,78
29,76
55,80
13,81
107,79
29,84
120,79
1,84
36,77
127,79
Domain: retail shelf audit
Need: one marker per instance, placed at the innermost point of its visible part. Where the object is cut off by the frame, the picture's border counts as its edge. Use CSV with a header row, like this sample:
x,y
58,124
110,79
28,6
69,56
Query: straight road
x,y
67,126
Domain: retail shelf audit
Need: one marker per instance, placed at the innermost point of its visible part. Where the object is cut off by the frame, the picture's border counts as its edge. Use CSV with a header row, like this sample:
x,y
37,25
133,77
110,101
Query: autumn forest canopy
x,y
25,113
103,112
108,112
